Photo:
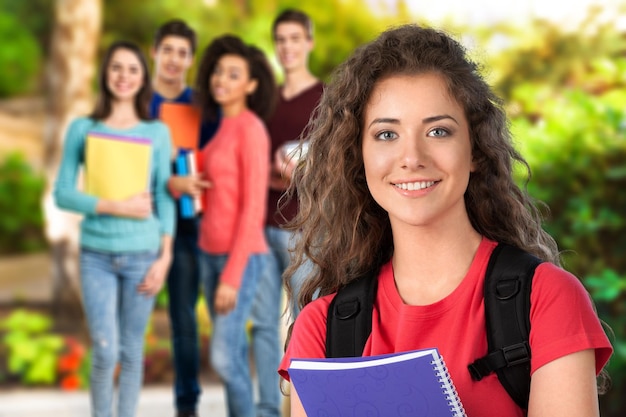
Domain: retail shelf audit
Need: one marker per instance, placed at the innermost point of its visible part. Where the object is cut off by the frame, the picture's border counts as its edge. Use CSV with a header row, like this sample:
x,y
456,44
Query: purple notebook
x,y
415,383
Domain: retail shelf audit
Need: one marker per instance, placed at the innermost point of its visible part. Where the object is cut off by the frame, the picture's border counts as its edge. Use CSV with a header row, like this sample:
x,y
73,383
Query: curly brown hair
x,y
262,101
344,232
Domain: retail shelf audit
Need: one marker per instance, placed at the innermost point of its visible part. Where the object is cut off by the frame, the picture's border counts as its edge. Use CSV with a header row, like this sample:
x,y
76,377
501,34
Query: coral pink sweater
x,y
236,161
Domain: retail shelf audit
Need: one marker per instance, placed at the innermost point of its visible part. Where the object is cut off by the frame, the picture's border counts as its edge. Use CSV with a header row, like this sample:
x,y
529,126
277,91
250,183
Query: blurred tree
x,y
70,72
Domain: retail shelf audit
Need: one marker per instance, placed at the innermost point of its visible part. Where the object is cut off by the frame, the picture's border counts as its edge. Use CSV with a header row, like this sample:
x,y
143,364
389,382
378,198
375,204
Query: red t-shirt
x,y
236,161
562,318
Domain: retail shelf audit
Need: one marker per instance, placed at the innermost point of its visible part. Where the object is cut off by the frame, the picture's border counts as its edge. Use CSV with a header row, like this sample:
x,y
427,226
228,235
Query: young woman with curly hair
x,y
409,174
235,81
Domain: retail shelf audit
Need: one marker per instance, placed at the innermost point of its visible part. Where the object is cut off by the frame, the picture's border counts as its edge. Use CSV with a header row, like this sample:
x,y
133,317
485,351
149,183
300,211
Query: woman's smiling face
x,y
124,75
416,150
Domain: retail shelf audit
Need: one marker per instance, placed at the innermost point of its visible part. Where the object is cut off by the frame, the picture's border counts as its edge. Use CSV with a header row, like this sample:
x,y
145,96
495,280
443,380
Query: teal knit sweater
x,y
110,233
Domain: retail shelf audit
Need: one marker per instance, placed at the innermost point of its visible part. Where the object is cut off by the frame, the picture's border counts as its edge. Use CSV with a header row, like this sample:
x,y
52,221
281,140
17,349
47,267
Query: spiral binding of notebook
x,y
441,370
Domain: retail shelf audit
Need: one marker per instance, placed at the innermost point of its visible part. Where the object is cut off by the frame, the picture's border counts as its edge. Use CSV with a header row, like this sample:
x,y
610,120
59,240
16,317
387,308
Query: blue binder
x,y
185,202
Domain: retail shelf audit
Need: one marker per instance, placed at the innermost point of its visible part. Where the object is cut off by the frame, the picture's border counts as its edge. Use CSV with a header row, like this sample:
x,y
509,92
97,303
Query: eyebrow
x,y
425,120
385,120
439,117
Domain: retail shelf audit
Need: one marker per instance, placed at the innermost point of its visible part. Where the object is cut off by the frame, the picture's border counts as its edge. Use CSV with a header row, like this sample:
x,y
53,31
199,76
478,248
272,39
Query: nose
x,y
175,58
414,153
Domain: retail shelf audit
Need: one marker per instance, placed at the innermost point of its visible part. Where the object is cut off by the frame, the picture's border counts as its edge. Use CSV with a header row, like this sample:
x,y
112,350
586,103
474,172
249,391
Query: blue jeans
x,y
229,341
117,316
266,314
183,286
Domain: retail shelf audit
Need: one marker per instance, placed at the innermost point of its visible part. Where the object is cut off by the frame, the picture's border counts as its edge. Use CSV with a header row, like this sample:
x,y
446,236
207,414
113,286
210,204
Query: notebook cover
x,y
413,383
183,121
117,166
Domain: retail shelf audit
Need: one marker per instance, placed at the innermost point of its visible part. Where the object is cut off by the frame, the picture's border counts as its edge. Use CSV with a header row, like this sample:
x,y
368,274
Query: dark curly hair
x,y
261,101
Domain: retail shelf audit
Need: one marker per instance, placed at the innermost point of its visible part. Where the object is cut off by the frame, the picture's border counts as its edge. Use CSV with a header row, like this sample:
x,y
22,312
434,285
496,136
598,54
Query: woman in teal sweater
x,y
125,243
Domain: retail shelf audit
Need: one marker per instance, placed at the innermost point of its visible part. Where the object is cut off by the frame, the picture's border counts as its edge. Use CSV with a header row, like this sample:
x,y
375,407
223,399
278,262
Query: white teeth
x,y
414,186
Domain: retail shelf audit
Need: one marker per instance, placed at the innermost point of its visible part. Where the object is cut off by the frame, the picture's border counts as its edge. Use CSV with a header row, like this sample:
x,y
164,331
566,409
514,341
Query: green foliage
x,y
21,190
576,145
39,24
606,287
162,298
20,58
32,350
544,54
566,94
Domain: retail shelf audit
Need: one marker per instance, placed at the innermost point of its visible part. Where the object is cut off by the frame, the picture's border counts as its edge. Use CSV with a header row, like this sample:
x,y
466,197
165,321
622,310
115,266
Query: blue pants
x,y
117,316
229,341
266,319
183,286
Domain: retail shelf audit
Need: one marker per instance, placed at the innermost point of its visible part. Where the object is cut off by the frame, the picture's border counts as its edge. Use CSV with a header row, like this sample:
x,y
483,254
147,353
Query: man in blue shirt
x,y
172,52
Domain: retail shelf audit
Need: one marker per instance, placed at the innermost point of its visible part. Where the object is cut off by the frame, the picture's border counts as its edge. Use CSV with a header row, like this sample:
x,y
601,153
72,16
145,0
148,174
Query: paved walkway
x,y
154,402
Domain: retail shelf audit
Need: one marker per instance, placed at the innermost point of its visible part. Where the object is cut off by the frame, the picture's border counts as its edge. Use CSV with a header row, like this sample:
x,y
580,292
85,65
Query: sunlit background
x,y
559,66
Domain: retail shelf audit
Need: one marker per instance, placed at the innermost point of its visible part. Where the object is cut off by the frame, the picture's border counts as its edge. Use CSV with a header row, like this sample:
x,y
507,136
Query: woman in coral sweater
x,y
236,80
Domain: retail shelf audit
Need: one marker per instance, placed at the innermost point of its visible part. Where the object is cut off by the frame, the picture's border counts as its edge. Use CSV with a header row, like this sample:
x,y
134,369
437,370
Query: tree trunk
x,y
69,79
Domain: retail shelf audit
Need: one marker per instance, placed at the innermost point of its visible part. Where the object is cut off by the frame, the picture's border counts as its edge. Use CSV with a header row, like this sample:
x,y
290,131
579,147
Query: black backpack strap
x,y
349,321
507,289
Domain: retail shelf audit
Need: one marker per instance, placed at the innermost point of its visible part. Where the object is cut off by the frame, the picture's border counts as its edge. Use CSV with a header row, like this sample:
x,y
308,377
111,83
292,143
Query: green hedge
x,y
20,57
575,143
22,222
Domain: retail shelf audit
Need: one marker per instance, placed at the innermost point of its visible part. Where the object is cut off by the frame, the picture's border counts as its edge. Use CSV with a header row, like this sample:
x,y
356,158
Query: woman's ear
x,y
252,85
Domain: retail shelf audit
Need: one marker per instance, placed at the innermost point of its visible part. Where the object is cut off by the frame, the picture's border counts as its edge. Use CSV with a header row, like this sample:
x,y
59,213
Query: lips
x,y
122,88
172,69
219,91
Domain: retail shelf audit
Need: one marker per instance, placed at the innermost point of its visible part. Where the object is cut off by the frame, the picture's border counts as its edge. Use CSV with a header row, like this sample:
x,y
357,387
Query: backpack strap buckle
x,y
516,354
508,356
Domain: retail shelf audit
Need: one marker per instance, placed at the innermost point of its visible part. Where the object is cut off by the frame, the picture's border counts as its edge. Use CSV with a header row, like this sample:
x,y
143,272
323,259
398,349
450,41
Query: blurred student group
x,y
185,185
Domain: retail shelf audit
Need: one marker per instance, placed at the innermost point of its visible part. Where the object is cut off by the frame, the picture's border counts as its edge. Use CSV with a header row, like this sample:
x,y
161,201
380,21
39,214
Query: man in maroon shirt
x,y
300,93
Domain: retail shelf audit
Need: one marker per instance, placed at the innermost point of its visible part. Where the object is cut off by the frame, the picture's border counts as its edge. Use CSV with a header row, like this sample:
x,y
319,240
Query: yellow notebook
x,y
116,167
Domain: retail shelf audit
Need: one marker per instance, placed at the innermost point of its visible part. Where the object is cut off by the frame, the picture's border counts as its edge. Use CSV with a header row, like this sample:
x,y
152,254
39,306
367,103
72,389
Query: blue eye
x,y
439,132
386,135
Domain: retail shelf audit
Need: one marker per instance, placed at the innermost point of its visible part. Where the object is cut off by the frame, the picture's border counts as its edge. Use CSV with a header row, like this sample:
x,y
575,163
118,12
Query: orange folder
x,y
184,123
